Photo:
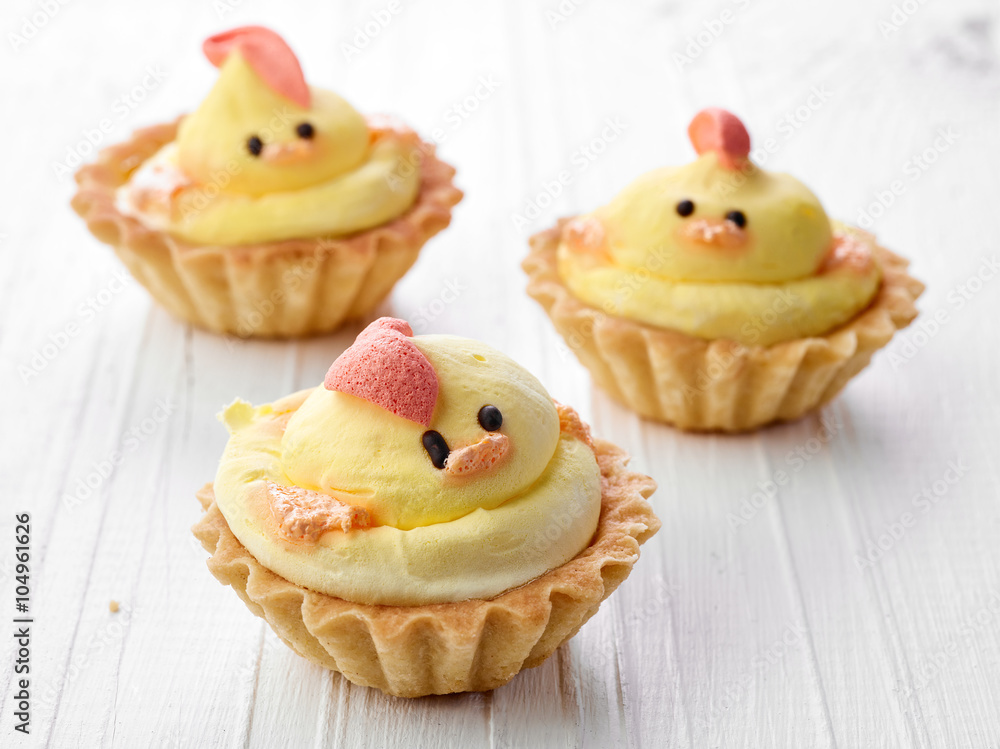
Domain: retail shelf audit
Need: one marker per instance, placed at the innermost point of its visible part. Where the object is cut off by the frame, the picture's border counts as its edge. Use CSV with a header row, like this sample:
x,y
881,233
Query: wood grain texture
x,y
755,618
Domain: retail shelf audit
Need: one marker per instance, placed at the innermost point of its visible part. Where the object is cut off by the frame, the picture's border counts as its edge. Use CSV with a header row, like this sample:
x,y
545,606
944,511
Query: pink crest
x,y
269,56
384,367
717,130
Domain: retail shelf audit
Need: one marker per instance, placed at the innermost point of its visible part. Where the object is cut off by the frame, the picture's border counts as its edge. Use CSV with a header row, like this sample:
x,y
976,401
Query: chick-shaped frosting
x,y
421,430
425,469
267,157
720,248
307,135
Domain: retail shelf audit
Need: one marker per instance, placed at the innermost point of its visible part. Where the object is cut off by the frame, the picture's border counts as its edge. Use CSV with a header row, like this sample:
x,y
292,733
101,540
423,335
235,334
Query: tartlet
x,y
716,295
273,210
427,521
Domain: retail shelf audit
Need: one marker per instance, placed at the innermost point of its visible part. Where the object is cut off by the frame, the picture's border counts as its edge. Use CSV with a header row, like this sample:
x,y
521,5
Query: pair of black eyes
x,y
304,130
436,446
686,208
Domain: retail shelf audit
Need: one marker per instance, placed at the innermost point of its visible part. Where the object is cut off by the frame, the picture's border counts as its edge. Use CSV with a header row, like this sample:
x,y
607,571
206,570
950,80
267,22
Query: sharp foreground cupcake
x,y
275,208
717,295
427,520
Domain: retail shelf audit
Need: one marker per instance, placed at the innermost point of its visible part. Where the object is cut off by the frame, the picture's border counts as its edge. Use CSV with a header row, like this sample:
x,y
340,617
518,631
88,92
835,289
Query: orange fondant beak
x,y
714,232
287,153
478,457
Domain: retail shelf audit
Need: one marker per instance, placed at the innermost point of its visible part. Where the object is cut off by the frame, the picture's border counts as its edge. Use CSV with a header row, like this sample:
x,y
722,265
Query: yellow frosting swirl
x,y
436,537
207,186
788,272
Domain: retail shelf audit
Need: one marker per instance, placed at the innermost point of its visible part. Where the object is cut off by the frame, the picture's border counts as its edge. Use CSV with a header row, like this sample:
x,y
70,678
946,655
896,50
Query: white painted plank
x,y
775,631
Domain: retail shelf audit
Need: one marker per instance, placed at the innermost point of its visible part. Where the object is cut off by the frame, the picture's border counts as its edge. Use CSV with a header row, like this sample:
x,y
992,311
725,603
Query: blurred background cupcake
x,y
717,295
273,210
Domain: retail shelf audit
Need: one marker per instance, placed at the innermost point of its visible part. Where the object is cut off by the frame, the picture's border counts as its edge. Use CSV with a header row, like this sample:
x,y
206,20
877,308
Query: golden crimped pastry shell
x,y
475,645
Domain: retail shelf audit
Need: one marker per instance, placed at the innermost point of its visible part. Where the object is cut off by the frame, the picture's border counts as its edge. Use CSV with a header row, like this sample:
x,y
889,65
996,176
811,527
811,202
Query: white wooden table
x,y
857,606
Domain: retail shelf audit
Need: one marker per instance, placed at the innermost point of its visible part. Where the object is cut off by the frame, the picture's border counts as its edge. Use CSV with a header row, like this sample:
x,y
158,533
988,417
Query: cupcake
x,y
274,209
426,521
717,295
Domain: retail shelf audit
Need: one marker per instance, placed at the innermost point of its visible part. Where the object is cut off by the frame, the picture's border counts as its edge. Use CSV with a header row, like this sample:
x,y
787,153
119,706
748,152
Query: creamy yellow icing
x,y
207,186
788,273
437,536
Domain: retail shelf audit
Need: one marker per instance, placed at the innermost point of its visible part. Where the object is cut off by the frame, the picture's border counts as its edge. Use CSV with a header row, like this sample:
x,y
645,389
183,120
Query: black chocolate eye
x,y
254,145
685,208
737,217
436,447
490,418
305,130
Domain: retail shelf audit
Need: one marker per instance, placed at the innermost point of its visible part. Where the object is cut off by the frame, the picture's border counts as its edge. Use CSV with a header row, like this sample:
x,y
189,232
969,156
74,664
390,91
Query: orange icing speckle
x,y
586,236
847,252
156,187
570,423
303,515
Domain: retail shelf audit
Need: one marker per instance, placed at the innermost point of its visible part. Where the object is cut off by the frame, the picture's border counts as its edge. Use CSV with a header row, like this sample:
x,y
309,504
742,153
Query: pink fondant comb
x,y
717,130
384,367
268,54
